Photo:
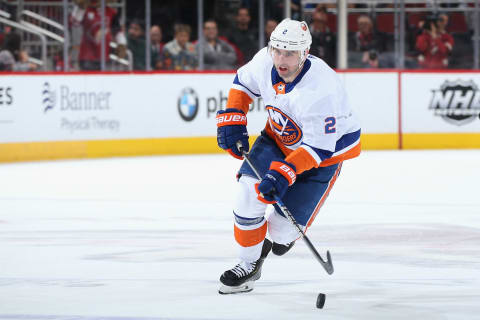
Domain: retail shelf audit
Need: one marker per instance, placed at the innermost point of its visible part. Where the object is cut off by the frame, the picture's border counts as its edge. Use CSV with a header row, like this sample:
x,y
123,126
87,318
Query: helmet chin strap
x,y
303,58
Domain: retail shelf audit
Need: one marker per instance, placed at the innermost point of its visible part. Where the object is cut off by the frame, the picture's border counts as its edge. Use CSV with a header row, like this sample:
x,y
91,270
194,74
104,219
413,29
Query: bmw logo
x,y
188,104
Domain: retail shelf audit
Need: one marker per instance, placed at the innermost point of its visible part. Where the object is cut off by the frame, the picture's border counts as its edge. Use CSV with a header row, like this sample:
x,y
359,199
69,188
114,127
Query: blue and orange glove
x,y
231,128
278,178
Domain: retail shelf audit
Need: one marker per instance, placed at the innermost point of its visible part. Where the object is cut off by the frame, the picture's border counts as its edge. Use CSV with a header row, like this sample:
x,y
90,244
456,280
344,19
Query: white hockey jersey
x,y
309,118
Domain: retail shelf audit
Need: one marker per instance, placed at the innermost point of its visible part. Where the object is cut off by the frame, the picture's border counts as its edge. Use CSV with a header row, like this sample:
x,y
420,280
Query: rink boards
x,y
49,116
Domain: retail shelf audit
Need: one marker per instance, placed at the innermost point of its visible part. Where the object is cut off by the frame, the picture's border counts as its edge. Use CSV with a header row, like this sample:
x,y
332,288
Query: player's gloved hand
x,y
278,178
231,128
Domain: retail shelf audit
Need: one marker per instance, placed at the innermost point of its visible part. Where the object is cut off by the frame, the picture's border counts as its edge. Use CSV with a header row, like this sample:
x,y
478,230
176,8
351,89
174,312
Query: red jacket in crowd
x,y
434,51
90,46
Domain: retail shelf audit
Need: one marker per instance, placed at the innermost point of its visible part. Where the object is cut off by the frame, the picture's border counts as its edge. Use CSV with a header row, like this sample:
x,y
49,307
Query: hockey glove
x,y
278,178
231,128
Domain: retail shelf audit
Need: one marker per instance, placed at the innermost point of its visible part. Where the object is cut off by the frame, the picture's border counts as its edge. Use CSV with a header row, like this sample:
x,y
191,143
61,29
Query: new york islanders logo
x,y
284,127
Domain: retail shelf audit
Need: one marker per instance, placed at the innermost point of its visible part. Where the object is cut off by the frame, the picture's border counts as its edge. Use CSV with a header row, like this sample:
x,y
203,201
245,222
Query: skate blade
x,y
246,287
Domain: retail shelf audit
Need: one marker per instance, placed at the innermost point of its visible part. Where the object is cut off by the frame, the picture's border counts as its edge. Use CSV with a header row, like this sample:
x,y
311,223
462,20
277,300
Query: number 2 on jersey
x,y
330,125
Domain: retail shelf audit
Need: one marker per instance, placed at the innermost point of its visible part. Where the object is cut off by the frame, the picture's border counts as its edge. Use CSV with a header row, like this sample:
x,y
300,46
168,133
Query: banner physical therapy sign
x,y
59,108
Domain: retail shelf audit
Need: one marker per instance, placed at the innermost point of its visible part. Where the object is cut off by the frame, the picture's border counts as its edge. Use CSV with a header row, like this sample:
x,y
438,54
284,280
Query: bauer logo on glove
x,y
232,128
231,119
276,181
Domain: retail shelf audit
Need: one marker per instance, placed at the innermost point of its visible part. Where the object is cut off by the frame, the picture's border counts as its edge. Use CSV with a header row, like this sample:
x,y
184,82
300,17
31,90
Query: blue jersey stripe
x,y
345,141
323,154
236,81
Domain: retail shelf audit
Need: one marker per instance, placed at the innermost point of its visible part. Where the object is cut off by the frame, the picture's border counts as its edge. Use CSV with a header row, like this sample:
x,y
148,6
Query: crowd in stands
x,y
12,57
228,46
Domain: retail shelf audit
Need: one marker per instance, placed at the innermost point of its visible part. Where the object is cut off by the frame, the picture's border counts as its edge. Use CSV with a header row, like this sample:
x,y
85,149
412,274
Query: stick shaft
x,y
327,265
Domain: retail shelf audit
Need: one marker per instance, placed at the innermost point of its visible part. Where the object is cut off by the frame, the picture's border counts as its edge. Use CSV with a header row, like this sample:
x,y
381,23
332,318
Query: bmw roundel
x,y
188,104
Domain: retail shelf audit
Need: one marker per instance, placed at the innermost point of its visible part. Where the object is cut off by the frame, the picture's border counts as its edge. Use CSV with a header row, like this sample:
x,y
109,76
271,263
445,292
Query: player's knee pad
x,y
247,208
281,230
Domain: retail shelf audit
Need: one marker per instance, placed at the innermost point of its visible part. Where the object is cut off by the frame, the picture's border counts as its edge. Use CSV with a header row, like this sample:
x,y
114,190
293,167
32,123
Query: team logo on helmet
x,y
285,31
304,26
284,127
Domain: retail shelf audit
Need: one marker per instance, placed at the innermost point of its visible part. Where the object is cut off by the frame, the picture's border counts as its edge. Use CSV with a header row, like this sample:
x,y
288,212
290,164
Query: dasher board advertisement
x,y
90,107
441,102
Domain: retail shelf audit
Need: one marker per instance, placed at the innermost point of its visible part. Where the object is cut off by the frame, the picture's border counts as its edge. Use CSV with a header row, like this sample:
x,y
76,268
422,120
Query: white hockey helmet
x,y
291,35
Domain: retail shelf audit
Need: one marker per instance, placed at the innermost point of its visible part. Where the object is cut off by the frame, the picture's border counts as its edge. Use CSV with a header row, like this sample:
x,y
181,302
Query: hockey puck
x,y
321,300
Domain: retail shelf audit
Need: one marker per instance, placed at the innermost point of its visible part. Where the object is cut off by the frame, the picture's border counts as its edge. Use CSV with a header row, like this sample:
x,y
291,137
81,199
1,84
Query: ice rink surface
x,y
147,238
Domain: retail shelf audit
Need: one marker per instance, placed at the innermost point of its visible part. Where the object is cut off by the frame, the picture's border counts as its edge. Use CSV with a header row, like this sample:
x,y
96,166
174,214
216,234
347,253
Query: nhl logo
x,y
456,102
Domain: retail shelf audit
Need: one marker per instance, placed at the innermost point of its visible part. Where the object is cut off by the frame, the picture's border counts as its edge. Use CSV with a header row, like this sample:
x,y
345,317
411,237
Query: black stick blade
x,y
329,265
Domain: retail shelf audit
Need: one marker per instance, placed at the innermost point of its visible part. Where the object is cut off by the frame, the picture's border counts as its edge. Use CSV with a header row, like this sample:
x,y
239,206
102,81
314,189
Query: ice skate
x,y
241,278
280,249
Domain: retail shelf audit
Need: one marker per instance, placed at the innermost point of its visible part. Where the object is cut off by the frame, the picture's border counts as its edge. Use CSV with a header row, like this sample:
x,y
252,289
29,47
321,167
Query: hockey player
x,y
310,131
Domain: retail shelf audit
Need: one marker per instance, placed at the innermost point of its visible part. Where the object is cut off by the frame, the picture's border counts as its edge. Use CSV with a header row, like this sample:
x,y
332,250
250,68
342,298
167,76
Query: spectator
x,y
218,54
10,49
366,40
136,44
87,14
374,60
276,9
157,46
442,24
4,30
12,58
323,40
270,25
244,36
179,54
434,44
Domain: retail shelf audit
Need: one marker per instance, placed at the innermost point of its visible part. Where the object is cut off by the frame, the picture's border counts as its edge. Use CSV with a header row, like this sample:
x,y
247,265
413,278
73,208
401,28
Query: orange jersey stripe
x,y
352,153
248,238
239,100
302,160
324,197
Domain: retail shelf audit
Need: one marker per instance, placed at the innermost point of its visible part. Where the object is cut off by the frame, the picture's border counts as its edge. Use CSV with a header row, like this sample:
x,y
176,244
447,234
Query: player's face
x,y
286,62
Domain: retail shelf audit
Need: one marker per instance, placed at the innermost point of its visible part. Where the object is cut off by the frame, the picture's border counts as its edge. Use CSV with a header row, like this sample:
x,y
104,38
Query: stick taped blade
x,y
329,264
